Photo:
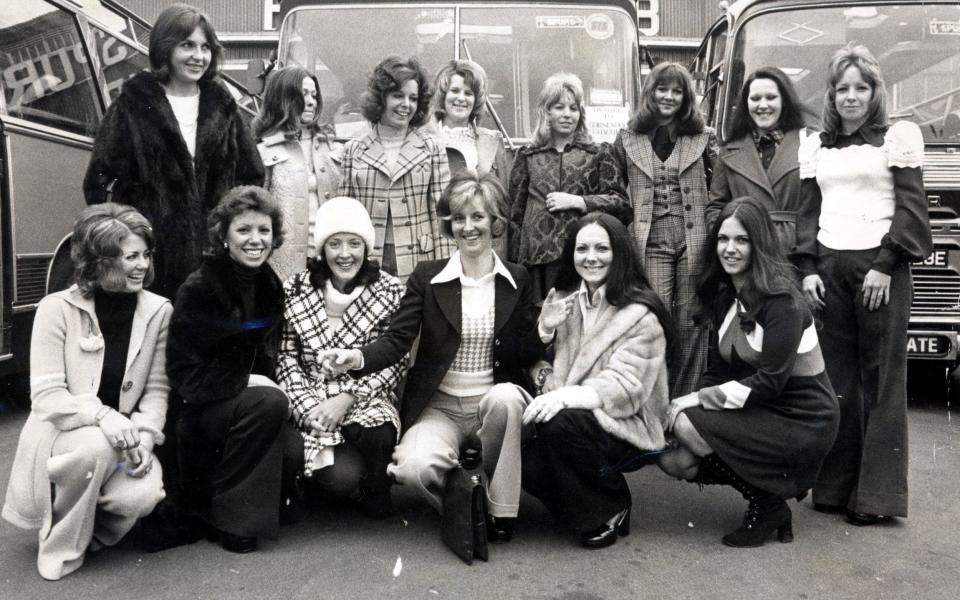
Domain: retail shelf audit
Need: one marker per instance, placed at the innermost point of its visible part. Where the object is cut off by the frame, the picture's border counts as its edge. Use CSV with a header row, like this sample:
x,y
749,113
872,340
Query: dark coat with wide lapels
x,y
434,311
739,173
140,158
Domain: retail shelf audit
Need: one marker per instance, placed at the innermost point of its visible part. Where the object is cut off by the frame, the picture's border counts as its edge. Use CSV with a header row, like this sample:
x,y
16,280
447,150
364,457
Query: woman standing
x,y
300,159
761,160
173,142
863,221
474,316
396,171
665,155
557,179
765,415
459,100
236,445
349,426
607,394
85,471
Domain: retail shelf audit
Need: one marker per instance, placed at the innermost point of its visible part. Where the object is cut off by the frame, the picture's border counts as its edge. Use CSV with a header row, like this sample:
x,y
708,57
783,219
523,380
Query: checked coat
x,y
307,332
410,194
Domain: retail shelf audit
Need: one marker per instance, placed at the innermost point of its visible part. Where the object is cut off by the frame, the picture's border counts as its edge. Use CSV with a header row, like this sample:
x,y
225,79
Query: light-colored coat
x,y
411,192
287,175
624,360
637,157
66,360
739,173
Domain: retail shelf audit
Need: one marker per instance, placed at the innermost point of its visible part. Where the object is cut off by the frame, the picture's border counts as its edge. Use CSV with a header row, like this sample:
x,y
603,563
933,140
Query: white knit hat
x,y
342,215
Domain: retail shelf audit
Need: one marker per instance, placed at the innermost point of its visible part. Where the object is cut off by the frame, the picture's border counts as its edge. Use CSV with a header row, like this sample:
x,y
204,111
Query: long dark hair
x,y
791,110
688,119
627,282
769,274
175,24
283,103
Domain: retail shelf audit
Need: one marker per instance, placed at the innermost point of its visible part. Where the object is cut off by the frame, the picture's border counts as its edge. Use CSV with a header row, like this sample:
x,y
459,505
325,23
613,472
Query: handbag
x,y
463,526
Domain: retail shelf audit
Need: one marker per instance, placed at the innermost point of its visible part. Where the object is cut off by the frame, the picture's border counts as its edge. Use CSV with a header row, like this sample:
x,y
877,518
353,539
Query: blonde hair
x,y
861,58
553,89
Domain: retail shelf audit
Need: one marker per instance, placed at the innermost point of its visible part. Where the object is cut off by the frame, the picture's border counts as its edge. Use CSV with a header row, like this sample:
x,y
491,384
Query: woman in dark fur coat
x,y
173,142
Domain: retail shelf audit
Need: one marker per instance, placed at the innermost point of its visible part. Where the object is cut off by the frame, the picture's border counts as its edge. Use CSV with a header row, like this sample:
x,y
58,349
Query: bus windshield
x,y
918,46
518,46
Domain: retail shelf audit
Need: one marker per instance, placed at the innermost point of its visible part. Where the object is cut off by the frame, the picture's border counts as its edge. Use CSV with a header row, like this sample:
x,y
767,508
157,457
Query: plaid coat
x,y
307,331
411,193
636,157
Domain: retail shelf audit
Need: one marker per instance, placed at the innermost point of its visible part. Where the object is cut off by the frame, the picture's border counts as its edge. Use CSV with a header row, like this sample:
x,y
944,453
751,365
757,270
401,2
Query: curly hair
x,y
236,202
861,58
791,108
95,249
389,76
283,103
474,78
688,119
553,90
175,24
465,186
627,281
769,272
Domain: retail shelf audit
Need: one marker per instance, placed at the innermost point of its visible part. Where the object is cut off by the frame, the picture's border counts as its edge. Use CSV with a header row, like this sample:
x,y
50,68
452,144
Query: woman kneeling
x,y
85,471
765,415
606,398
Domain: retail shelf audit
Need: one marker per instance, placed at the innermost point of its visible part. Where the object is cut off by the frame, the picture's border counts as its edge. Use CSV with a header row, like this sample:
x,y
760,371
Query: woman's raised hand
x,y
337,361
557,201
555,310
120,431
814,291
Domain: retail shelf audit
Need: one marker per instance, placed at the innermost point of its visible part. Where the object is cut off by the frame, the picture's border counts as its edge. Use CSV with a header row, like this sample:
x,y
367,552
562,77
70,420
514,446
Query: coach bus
x,y
918,45
519,45
61,65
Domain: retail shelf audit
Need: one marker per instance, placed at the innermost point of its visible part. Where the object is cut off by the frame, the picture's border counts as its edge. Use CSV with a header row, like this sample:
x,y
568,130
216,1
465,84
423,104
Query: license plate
x,y
927,345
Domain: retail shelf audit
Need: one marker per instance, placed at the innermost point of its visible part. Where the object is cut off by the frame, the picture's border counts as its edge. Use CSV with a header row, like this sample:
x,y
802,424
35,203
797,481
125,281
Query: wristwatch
x,y
541,379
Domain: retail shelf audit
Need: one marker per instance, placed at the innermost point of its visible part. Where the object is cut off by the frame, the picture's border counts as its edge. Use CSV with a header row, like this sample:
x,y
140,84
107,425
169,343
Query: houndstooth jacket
x,y
307,332
411,193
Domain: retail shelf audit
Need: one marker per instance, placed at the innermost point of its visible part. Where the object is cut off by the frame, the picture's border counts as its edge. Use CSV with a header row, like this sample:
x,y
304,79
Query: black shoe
x,y
606,534
500,529
863,519
763,517
831,509
377,505
237,544
167,527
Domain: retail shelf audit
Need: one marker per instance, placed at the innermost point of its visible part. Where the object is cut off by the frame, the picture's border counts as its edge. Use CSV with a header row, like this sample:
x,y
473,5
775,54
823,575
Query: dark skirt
x,y
776,447
542,278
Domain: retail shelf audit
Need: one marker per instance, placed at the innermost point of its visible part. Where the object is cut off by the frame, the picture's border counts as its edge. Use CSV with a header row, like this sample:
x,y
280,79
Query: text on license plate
x,y
928,345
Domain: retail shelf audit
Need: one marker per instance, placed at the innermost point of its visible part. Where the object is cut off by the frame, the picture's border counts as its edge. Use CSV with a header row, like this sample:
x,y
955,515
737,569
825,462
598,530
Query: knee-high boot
x,y
765,513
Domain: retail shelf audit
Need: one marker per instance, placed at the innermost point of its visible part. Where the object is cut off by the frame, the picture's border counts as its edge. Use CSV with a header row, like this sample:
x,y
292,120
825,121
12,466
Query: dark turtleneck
x,y
246,279
115,317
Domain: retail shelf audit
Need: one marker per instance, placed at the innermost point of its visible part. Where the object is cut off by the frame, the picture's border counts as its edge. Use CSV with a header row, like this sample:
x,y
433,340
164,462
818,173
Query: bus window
x,y
120,61
512,42
46,76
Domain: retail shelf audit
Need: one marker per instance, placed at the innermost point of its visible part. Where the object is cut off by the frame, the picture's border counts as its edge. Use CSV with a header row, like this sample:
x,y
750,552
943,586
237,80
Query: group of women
x,y
594,308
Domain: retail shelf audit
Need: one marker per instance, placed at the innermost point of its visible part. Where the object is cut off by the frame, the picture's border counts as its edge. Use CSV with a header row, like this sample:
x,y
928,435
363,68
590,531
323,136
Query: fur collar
x,y
586,352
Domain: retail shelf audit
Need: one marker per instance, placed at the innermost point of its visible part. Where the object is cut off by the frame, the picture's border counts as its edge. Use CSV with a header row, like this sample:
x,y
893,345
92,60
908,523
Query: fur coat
x,y
213,349
624,360
140,158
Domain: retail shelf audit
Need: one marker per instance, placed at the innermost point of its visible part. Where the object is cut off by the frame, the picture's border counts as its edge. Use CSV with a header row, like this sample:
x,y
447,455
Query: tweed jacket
x,y
635,156
287,177
66,361
535,235
738,172
624,361
411,193
140,152
307,332
434,312
212,349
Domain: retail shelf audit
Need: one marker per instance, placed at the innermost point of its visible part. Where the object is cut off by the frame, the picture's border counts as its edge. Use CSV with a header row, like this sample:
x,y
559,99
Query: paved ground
x,y
673,552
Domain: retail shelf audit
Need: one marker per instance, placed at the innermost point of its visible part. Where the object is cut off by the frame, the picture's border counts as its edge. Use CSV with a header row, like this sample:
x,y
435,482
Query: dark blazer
x,y
212,348
433,311
739,172
141,156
